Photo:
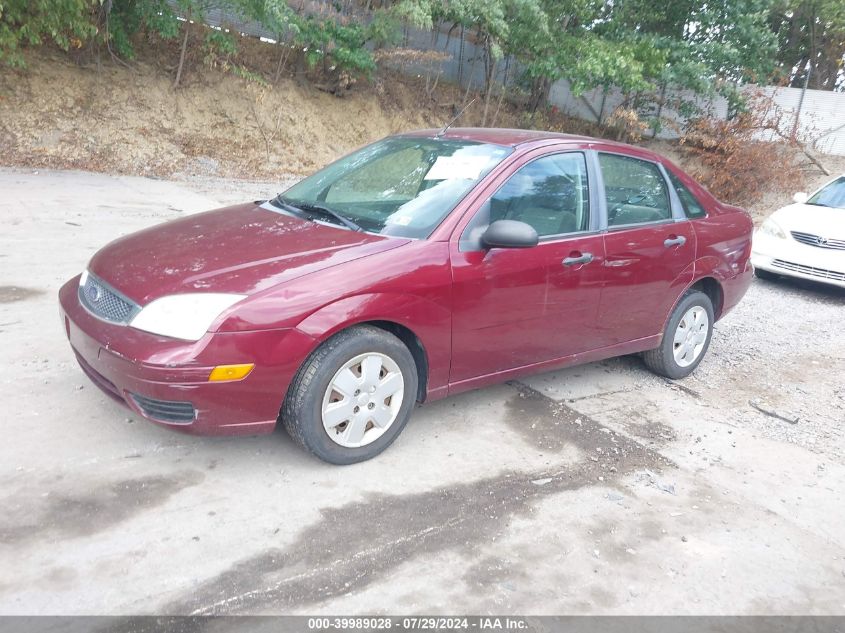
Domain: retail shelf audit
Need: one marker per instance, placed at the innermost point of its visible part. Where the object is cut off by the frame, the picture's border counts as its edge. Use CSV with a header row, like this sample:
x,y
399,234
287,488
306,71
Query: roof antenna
x,y
457,116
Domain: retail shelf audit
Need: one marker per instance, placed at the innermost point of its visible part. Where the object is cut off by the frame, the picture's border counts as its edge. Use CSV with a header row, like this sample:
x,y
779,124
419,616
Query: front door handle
x,y
680,240
585,258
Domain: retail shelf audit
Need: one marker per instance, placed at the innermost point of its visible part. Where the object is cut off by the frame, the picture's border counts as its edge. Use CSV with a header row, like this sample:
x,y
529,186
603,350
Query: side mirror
x,y
800,197
509,234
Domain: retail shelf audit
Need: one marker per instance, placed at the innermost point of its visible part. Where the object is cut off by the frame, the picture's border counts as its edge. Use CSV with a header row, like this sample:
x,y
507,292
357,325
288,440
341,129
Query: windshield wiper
x,y
316,208
279,202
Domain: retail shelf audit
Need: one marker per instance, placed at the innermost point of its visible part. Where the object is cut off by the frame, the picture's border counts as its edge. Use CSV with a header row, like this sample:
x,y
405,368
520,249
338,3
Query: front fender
x,y
429,321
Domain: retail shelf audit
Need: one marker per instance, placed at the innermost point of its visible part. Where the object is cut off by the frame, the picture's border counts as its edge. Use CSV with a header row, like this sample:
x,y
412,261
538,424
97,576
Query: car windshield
x,y
401,186
833,195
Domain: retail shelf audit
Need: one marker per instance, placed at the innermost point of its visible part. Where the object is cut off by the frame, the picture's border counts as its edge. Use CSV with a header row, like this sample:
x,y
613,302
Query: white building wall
x,y
822,116
821,120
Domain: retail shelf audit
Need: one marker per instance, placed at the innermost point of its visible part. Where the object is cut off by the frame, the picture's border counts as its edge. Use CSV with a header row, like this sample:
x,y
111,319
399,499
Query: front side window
x,y
636,191
833,195
551,194
402,186
692,207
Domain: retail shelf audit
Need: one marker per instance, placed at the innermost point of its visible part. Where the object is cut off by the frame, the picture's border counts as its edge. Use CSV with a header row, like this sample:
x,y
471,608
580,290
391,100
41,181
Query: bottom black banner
x,y
527,624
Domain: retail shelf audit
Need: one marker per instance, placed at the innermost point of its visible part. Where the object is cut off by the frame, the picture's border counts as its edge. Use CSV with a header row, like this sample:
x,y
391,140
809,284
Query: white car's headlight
x,y
185,316
772,229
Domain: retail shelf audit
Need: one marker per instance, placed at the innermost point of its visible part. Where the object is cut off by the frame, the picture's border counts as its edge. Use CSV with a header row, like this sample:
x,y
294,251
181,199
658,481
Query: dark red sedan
x,y
420,266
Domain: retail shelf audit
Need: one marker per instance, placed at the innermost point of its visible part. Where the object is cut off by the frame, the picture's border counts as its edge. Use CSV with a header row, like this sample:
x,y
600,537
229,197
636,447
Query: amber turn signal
x,y
230,372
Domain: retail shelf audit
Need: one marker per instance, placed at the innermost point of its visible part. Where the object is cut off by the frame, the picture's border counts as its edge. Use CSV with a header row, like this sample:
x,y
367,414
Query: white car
x,y
805,239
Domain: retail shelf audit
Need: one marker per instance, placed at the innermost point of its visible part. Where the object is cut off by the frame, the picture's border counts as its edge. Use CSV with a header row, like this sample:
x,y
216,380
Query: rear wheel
x,y
686,338
353,396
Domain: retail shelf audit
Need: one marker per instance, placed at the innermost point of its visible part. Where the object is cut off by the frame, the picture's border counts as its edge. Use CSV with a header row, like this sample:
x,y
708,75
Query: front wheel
x,y
353,396
686,338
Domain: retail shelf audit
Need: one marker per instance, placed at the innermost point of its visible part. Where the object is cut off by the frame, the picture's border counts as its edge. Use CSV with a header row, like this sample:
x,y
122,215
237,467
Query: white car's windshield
x,y
402,186
833,195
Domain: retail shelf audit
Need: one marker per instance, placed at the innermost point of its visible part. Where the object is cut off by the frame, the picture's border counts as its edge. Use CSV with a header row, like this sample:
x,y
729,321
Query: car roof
x,y
509,137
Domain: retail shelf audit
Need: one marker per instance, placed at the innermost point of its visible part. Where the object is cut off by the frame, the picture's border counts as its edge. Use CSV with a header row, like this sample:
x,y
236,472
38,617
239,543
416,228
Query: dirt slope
x,y
129,120
123,120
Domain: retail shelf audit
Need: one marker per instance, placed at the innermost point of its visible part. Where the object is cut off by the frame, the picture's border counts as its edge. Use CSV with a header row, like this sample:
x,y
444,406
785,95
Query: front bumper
x,y
166,381
793,259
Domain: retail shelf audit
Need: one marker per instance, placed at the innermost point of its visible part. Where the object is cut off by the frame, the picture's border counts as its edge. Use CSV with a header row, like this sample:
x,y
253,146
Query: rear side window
x,y
636,191
692,208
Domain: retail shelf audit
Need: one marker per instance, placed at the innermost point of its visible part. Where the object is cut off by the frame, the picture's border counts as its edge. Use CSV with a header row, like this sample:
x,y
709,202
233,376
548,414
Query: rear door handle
x,y
586,258
680,240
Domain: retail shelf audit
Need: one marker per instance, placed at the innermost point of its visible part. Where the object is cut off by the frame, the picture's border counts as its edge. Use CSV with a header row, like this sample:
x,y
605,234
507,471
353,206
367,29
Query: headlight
x,y
185,316
771,228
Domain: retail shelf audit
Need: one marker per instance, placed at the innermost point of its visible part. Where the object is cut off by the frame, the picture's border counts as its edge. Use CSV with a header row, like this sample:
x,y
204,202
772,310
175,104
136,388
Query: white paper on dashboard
x,y
457,167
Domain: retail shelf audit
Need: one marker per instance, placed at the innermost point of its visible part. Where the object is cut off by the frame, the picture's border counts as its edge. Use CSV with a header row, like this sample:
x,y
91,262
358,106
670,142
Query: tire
x,y
664,360
372,395
766,275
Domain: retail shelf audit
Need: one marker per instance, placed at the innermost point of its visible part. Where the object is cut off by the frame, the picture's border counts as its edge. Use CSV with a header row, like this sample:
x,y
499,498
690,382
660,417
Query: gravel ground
x,y
230,191
599,489
782,350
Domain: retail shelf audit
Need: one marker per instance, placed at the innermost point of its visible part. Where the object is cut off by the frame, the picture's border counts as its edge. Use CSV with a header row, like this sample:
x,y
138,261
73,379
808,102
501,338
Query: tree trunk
x,y
501,95
813,53
183,52
601,108
659,110
539,95
470,78
283,57
460,58
491,76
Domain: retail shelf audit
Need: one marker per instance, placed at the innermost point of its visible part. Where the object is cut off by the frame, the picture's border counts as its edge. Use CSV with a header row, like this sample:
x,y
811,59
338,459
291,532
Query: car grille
x,y
165,410
105,302
821,273
817,240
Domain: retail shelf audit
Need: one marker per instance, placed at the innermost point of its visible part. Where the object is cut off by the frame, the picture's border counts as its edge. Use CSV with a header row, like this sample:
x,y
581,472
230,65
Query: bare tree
x,y
184,49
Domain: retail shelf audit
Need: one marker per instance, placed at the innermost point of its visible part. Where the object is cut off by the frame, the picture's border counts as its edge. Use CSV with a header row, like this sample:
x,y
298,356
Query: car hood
x,y
242,249
809,218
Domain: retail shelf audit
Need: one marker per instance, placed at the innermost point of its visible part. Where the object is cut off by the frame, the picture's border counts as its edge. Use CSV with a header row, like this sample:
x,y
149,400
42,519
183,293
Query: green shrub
x,y
128,17
66,23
